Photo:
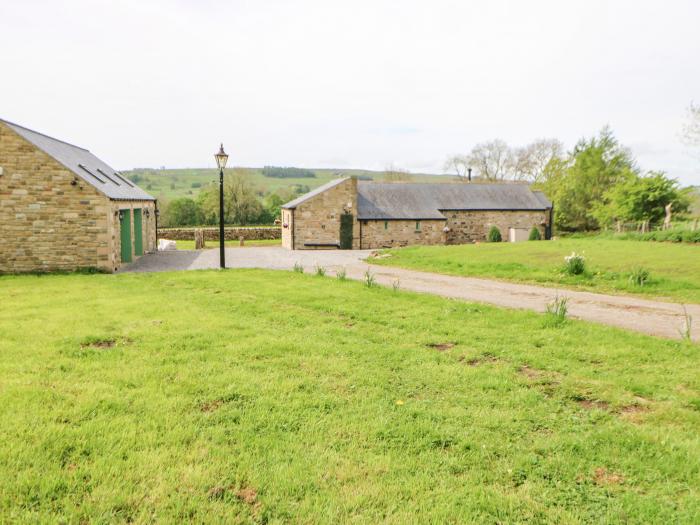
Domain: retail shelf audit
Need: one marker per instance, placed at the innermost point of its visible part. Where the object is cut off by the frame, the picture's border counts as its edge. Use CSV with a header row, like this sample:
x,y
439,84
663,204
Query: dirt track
x,y
642,315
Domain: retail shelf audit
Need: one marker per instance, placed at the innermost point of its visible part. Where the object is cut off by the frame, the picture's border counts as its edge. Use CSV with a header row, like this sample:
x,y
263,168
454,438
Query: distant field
x,y
675,268
251,396
170,184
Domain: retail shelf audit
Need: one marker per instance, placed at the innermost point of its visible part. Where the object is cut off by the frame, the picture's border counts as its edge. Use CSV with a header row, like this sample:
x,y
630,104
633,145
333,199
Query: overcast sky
x,y
356,83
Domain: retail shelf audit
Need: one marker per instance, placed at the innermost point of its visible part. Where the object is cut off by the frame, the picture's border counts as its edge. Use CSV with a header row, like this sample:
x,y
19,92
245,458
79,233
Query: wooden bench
x,y
322,245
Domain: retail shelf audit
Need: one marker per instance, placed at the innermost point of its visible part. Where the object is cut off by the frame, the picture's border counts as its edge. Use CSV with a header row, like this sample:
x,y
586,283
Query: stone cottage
x,y
345,213
62,208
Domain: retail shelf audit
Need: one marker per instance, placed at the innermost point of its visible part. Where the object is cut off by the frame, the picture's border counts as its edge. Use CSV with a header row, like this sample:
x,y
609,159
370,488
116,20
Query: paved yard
x,y
642,315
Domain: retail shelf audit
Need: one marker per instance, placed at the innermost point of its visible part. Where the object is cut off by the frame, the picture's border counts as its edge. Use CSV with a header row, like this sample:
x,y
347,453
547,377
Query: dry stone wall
x,y
212,234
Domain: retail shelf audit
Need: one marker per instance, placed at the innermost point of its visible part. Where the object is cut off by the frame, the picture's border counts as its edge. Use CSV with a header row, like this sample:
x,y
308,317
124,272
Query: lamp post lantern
x,y
221,159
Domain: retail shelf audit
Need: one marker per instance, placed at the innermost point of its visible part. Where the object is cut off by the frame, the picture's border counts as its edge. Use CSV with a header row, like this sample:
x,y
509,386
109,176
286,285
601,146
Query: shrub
x,y
494,234
575,264
298,268
534,234
557,311
320,271
639,276
396,285
370,281
341,274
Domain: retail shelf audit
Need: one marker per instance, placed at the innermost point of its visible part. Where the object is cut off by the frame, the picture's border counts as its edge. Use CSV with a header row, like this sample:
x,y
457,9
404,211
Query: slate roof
x,y
84,164
427,200
327,186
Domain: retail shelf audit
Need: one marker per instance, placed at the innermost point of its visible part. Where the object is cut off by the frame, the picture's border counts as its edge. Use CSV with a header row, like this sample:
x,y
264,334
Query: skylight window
x,y
91,173
107,177
126,181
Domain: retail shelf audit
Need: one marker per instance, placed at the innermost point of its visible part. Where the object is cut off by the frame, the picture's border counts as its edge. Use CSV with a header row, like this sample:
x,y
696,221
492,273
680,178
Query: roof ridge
x,y
43,134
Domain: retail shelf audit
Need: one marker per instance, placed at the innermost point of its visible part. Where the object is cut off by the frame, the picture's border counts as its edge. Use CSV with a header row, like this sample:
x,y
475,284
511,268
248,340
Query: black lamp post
x,y
221,159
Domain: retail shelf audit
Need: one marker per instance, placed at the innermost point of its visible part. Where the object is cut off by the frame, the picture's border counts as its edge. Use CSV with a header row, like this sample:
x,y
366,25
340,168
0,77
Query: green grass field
x,y
209,245
273,397
170,184
674,268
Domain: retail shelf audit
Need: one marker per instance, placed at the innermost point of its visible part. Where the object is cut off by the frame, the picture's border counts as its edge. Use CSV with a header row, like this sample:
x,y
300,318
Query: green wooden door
x,y
138,233
125,234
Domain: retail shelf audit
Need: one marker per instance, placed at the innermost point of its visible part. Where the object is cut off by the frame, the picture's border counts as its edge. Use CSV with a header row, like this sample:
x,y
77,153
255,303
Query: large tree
x,y
531,161
241,204
182,212
641,199
492,160
578,186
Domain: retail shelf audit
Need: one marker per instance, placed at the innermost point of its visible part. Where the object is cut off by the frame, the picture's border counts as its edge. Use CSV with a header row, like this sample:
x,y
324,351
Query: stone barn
x,y
347,214
62,208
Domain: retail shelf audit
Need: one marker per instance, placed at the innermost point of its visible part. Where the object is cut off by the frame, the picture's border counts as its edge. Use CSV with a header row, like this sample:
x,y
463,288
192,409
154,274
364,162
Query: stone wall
x,y
395,233
212,234
148,224
470,226
46,223
316,221
287,228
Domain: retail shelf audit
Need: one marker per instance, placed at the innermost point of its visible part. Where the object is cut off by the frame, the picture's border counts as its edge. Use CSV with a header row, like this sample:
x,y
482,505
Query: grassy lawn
x,y
189,245
675,268
279,397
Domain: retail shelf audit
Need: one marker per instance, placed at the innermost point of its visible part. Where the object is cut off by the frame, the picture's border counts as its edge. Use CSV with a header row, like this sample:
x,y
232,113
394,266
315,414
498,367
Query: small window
x,y
417,226
386,225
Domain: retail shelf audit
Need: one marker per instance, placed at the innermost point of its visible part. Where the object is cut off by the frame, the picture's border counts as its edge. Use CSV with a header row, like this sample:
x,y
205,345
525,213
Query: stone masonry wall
x,y
148,224
317,220
287,228
212,234
470,226
395,233
46,223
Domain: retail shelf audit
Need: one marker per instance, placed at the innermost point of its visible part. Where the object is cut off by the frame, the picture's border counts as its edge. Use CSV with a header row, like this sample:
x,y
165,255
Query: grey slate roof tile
x,y
427,200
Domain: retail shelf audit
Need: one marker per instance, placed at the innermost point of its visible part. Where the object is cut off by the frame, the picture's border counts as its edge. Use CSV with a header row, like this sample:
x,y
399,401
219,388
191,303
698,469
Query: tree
x,y
273,206
394,174
691,129
182,212
578,185
531,161
459,164
642,199
241,206
492,160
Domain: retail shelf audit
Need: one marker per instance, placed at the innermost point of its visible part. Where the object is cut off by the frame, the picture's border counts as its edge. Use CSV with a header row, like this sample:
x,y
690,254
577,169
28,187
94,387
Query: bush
x,y
494,234
534,234
639,276
557,311
575,264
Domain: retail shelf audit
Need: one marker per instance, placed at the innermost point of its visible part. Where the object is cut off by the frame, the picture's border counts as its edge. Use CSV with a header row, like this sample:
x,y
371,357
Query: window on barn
x,y
386,225
417,226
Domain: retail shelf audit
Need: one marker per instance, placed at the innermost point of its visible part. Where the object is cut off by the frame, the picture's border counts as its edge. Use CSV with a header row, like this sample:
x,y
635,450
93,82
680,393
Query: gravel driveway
x,y
641,315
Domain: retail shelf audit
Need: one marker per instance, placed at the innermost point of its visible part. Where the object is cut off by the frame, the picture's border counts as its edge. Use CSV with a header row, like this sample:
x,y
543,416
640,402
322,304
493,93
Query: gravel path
x,y
641,315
